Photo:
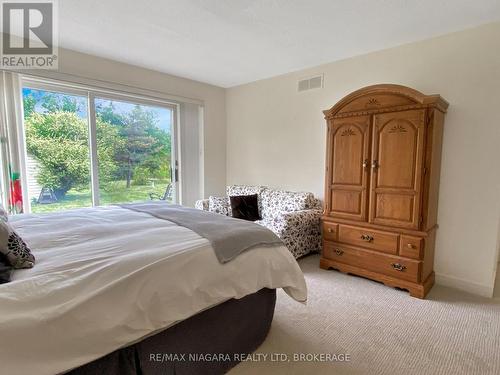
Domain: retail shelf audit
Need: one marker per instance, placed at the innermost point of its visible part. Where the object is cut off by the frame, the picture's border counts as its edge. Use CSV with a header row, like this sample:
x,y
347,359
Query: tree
x,y
142,143
59,102
59,142
29,103
109,146
109,114
158,164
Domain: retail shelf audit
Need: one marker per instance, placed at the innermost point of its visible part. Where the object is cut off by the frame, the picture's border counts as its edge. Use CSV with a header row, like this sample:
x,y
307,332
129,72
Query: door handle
x,y
375,164
365,163
174,172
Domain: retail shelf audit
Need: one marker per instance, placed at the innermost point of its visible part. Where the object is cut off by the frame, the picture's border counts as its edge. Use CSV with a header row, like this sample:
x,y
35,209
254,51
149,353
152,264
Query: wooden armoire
x,y
381,186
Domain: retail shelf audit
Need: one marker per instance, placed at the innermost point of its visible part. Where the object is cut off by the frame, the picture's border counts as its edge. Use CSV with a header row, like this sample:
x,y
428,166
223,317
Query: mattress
x,y
107,277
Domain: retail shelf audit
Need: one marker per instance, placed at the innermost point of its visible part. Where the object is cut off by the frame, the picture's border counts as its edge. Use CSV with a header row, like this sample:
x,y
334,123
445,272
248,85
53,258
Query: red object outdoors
x,y
16,196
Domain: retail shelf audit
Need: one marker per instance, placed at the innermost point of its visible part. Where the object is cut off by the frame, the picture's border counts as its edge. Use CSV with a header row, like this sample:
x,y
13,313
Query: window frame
x,y
91,93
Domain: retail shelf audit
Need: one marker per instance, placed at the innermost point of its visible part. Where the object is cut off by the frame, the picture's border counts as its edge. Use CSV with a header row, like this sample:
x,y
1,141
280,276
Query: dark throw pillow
x,y
5,269
245,207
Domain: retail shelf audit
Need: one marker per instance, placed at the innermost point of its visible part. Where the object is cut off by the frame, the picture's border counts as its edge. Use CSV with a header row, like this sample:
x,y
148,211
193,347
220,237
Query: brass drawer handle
x,y
330,230
410,246
339,252
367,238
398,267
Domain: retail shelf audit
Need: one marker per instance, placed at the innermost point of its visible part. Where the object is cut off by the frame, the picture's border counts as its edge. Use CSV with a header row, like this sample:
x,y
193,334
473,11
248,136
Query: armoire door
x,y
397,168
349,144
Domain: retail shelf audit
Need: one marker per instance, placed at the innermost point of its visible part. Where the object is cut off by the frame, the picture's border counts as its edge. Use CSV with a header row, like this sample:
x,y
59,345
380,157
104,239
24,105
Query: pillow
x,y
245,207
234,190
219,205
14,248
5,269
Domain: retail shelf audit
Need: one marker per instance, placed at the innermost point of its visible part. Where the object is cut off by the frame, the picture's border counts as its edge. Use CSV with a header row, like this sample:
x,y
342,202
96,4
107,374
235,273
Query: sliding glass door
x,y
134,150
86,148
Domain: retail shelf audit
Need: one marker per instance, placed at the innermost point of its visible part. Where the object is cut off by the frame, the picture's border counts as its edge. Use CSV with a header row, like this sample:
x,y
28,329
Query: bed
x,y
111,285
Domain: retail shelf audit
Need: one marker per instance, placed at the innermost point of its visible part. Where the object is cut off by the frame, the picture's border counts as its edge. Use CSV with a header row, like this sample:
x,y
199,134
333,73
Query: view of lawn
x,y
118,194
133,145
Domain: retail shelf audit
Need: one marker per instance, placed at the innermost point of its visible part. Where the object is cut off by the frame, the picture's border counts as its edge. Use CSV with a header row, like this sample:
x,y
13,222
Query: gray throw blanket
x,y
229,237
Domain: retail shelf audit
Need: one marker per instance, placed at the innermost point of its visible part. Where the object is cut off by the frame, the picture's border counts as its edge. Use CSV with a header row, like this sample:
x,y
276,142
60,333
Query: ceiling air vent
x,y
310,83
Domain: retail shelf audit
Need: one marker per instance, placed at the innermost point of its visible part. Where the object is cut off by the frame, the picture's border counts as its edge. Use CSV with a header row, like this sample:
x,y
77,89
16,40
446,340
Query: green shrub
x,y
59,142
141,176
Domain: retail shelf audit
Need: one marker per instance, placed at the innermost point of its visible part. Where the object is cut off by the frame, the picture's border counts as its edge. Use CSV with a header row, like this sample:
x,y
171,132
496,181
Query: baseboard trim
x,y
465,285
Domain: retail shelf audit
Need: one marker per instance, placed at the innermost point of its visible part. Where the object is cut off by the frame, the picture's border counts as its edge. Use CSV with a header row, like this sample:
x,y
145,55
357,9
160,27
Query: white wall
x,y
276,136
74,65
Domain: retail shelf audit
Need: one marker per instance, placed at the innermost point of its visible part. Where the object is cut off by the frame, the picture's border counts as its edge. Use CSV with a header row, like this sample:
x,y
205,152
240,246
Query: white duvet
x,y
107,277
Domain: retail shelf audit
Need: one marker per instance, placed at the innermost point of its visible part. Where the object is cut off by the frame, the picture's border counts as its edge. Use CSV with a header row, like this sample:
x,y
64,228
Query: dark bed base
x,y
227,330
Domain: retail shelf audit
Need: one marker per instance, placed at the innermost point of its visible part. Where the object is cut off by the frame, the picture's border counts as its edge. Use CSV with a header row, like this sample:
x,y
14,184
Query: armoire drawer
x,y
372,239
330,231
401,268
411,247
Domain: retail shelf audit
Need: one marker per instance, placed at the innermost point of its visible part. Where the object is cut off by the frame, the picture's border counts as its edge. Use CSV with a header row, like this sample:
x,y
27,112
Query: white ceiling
x,y
230,42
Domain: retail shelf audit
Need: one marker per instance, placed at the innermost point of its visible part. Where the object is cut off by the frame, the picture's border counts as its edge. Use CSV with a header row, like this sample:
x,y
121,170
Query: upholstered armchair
x,y
293,216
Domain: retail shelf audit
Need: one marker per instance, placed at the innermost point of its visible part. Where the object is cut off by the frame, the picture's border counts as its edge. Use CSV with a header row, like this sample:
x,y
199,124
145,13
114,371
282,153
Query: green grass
x,y
115,192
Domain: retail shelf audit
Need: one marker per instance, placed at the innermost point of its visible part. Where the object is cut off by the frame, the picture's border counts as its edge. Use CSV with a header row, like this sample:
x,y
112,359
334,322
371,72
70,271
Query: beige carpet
x,y
383,330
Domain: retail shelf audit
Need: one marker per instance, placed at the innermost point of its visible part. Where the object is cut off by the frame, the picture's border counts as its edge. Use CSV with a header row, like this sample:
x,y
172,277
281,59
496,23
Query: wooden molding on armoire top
x,y
382,98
